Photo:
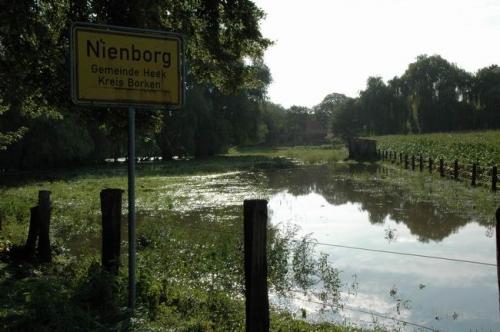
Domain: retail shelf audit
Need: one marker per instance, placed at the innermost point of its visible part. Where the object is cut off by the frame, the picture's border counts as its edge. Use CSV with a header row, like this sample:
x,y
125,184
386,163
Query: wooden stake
x,y
494,178
257,302
474,174
497,231
29,247
111,210
44,208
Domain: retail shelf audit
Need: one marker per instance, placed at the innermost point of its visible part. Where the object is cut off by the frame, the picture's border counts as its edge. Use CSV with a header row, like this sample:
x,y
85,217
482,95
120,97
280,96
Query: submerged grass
x,y
308,155
189,257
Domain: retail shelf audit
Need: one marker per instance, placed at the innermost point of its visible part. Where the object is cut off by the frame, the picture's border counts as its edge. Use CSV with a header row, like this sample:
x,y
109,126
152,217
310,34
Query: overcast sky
x,y
324,46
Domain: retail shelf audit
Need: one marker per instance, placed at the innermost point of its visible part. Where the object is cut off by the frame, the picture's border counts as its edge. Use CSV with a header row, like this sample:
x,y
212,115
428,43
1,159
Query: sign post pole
x,y
124,67
131,207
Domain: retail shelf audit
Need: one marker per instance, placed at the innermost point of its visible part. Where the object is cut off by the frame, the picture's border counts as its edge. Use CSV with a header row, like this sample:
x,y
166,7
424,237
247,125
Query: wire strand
x,y
370,313
358,248
402,253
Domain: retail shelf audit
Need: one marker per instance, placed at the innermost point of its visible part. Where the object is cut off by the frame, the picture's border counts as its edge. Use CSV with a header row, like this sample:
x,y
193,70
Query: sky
x,y
325,46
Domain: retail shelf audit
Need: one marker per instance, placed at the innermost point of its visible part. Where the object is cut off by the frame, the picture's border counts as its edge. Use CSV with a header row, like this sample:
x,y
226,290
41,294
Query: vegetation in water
x,y
189,259
309,155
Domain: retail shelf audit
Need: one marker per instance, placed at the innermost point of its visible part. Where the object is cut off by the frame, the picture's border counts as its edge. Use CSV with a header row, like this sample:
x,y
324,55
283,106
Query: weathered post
x,y
257,302
111,210
455,170
34,230
430,165
497,231
474,174
421,163
406,161
401,158
44,250
494,178
441,167
412,162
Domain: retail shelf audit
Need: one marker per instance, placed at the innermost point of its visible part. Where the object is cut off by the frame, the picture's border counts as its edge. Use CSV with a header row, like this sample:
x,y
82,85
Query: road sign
x,y
117,66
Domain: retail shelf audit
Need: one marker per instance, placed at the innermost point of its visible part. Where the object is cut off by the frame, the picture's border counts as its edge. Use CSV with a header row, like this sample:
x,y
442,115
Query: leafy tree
x,y
486,97
223,37
324,111
436,93
346,122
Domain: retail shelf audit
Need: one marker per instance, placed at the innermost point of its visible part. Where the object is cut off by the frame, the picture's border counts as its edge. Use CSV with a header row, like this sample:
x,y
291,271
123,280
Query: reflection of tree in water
x,y
337,186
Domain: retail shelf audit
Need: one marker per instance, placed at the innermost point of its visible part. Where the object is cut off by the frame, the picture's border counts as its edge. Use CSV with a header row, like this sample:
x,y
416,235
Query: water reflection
x,y
337,186
351,206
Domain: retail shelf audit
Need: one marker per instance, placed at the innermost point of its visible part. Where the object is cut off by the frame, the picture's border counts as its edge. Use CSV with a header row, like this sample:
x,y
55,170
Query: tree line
x,y
432,95
226,87
226,81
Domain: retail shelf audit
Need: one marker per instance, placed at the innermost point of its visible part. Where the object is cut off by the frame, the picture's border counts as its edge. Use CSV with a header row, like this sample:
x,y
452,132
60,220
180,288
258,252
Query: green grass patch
x,y
190,259
308,155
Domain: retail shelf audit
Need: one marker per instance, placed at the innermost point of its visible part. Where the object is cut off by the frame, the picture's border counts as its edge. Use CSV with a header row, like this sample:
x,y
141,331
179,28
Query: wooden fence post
x,y
401,158
412,162
406,161
455,170
441,167
111,210
474,174
421,163
430,165
497,231
257,302
34,230
494,178
44,208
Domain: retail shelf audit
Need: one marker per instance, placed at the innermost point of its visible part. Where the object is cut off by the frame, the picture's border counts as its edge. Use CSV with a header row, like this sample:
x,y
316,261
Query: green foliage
x,y
39,126
467,148
432,95
309,155
190,270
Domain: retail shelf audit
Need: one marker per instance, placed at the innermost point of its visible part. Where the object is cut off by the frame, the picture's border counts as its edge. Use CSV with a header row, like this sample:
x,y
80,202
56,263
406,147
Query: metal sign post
x,y
125,67
131,207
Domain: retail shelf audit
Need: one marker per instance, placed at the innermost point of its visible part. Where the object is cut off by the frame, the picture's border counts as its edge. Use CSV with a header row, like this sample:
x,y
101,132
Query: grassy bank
x,y
189,256
308,155
482,147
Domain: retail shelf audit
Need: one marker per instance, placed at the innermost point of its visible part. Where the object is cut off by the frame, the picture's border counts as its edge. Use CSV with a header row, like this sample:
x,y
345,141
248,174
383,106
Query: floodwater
x,y
430,293
348,205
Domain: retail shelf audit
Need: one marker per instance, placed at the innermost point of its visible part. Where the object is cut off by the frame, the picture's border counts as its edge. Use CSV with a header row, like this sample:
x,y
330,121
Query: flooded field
x,y
350,206
434,293
367,221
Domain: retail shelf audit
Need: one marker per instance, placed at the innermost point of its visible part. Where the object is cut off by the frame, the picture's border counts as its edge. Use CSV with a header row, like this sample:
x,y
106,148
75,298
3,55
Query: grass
x,y
189,242
308,155
189,256
481,147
